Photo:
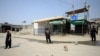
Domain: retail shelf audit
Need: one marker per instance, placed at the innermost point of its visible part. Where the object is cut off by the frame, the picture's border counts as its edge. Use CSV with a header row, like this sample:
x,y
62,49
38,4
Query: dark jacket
x,y
8,36
47,34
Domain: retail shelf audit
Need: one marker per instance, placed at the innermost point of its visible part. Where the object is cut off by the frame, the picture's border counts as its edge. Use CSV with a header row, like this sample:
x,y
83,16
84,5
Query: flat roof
x,y
77,11
48,19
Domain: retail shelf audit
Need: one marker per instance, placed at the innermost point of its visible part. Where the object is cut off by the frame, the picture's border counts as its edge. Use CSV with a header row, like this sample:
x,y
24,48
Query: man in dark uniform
x,y
8,40
47,34
93,34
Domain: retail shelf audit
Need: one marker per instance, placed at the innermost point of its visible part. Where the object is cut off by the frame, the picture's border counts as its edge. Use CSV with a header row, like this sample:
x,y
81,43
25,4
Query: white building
x,y
40,25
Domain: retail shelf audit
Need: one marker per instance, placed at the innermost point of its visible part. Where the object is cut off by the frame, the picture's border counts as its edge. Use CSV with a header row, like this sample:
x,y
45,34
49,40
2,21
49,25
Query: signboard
x,y
74,17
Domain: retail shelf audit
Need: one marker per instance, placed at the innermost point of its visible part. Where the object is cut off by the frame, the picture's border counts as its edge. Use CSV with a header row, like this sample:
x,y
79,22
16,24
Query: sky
x,y
17,11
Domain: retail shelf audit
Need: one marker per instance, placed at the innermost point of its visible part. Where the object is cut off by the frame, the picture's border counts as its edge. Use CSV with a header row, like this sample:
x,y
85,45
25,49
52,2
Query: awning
x,y
56,22
77,22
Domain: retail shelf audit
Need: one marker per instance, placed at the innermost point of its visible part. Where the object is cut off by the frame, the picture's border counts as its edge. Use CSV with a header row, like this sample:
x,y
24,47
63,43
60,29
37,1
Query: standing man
x,y
8,40
93,33
47,34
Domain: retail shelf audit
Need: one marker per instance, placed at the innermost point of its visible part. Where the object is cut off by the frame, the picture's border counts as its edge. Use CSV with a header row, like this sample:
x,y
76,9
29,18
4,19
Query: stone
x,y
65,48
76,42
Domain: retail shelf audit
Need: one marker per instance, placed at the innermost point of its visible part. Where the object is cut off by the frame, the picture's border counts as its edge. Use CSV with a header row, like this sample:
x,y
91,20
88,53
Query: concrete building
x,y
57,25
78,18
7,26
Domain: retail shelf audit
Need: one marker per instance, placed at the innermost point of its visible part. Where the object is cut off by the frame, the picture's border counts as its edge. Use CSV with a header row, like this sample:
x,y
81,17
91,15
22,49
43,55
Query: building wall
x,y
39,28
6,26
35,31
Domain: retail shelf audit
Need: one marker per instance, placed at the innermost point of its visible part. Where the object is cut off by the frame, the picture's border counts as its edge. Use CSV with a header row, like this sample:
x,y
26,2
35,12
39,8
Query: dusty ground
x,y
29,45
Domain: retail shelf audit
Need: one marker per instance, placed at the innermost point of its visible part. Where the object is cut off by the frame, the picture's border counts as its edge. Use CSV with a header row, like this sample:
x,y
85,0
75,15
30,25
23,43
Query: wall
x,y
35,31
39,28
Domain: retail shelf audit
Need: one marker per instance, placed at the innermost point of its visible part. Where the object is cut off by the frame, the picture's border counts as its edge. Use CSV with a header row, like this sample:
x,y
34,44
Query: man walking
x,y
8,40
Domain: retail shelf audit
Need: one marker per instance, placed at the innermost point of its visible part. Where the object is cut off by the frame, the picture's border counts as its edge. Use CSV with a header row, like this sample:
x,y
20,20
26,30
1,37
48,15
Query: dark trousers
x,y
93,37
48,40
8,44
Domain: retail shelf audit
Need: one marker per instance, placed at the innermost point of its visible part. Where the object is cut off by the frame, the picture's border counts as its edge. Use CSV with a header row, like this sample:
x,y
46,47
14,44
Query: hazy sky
x,y
16,11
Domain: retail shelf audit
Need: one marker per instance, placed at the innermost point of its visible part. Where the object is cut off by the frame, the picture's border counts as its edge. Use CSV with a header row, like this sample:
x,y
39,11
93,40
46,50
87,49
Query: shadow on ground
x,y
90,43
14,46
43,41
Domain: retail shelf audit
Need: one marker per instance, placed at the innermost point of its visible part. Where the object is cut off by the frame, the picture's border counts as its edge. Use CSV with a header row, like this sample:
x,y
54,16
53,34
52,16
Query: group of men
x,y
8,40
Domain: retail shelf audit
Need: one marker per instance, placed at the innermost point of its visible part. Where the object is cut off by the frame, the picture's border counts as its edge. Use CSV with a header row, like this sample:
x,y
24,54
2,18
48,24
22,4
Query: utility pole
x,y
84,15
73,8
87,16
24,28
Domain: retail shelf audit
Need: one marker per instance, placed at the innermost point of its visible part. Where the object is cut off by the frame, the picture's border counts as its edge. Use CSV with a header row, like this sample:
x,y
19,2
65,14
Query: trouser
x,y
93,38
48,40
8,44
